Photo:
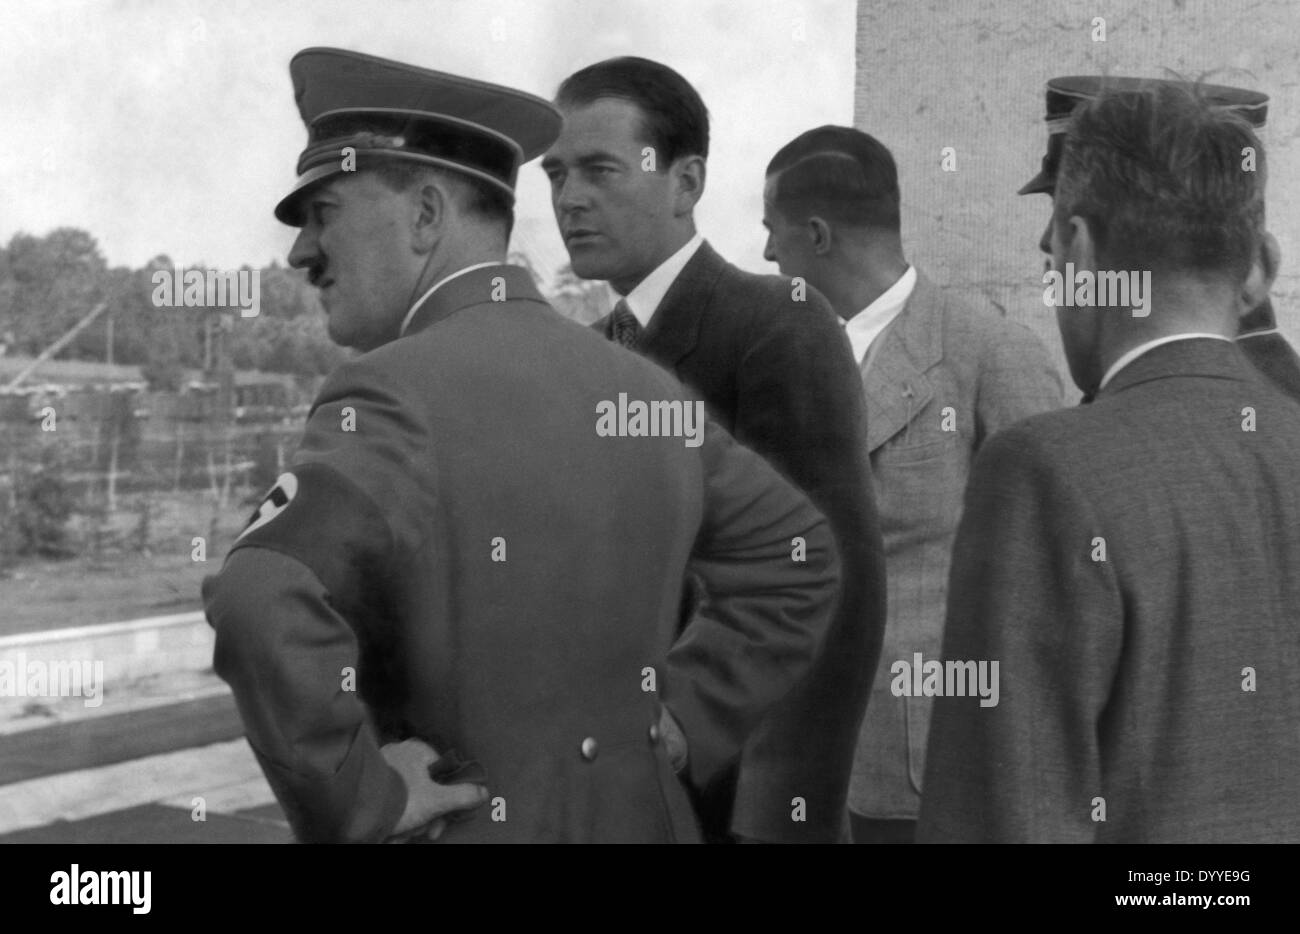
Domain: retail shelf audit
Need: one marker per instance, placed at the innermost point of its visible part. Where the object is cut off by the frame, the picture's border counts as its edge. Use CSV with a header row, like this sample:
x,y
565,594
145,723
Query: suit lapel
x,y
675,327
895,385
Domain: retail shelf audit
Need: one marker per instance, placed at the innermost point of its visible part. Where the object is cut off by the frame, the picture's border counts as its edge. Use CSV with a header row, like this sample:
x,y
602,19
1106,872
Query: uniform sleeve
x,y
771,570
1025,595
284,651
1017,379
315,564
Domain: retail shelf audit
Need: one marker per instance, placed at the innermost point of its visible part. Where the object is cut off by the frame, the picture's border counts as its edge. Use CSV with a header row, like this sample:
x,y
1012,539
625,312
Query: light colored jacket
x,y
948,375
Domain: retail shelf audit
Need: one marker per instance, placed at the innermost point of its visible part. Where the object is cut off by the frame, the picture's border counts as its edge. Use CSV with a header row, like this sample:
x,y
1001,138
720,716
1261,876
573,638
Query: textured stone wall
x,y
970,74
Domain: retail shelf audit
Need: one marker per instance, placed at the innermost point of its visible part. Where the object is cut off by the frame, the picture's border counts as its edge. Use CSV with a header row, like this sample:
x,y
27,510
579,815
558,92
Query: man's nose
x,y
305,249
570,194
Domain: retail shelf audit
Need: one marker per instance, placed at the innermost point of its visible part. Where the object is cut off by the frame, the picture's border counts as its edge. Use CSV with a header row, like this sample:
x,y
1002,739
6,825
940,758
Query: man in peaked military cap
x,y
463,592
1258,335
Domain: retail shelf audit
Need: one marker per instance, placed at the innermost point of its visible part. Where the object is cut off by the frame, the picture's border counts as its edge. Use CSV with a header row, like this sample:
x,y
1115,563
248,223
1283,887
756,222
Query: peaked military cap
x,y
1065,94
384,109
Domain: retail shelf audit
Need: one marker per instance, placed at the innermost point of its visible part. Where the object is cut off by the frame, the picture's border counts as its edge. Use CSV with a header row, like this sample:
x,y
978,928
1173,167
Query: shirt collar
x,y
650,291
1140,349
436,286
867,324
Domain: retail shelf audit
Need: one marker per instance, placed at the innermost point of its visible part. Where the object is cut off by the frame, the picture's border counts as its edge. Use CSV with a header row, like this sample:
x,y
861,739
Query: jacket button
x,y
590,749
654,733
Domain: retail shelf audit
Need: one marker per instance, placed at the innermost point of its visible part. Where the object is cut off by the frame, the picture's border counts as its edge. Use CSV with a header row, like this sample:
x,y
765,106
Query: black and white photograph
x,y
689,421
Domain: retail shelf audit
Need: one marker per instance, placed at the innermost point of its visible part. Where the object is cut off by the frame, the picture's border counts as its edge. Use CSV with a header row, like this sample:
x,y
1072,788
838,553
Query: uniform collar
x,y
480,284
436,286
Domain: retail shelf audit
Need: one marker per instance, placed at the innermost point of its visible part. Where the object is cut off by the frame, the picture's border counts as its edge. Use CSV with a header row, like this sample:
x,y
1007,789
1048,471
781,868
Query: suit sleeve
x,y
801,406
771,568
316,562
1025,595
1017,379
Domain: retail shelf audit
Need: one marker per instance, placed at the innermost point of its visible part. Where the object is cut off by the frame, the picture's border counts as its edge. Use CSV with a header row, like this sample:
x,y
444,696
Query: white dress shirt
x,y
436,286
1140,349
867,324
645,298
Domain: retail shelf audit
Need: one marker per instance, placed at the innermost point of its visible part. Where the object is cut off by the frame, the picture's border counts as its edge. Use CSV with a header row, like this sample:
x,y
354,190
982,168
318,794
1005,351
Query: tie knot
x,y
623,326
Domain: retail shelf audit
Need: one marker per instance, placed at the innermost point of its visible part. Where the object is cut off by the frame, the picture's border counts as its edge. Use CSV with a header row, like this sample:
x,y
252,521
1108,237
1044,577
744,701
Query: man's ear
x,y
820,235
688,173
1263,271
430,210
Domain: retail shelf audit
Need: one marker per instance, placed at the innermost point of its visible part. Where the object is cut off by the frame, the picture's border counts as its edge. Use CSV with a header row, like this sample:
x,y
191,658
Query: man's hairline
x,y
642,117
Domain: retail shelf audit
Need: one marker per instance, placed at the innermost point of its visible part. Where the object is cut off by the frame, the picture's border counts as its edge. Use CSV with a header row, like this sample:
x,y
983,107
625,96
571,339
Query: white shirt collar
x,y
645,298
866,325
436,286
1140,349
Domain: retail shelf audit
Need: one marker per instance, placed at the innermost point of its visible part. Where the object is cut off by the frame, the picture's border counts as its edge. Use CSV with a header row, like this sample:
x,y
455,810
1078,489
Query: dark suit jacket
x,y
948,374
780,376
500,577
1161,677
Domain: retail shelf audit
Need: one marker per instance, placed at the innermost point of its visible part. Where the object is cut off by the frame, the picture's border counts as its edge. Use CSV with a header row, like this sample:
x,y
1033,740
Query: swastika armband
x,y
317,516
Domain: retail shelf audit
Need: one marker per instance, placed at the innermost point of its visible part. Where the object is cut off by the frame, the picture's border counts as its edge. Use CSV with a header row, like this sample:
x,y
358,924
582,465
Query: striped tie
x,y
623,326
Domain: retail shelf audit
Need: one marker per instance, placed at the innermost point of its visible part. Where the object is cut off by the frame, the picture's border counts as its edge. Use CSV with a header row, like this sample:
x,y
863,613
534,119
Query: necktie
x,y
623,326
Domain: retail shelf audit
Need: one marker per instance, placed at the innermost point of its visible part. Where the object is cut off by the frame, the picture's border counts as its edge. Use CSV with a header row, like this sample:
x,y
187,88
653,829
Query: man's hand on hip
x,y
426,801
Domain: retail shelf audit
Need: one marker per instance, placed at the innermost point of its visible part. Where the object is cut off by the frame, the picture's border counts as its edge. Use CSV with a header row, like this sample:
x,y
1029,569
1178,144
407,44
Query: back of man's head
x,y
840,174
1166,182
676,121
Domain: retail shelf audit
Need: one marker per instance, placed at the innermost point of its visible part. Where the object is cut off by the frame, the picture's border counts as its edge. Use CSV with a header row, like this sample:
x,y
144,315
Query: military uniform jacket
x,y
777,372
1133,566
948,374
505,582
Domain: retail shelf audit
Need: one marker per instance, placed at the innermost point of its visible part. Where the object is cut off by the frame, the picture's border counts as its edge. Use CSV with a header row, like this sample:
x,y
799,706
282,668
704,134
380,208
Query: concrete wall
x,y
971,73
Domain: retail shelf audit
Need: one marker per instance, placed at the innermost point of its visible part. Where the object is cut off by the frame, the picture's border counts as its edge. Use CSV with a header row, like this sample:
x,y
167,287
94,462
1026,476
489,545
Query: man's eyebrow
x,y
586,159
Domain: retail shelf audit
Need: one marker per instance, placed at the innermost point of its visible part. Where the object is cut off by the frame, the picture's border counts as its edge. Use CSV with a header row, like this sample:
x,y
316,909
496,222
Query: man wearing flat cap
x,y
455,615
1257,333
1132,566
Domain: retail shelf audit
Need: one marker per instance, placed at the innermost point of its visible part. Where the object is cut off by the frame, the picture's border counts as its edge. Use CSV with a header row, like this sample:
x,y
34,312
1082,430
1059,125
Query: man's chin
x,y
585,266
339,335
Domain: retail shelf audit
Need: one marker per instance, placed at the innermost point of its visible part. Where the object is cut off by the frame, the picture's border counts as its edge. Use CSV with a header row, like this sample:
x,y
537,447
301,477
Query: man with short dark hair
x,y
1257,331
768,358
1133,565
463,594
940,374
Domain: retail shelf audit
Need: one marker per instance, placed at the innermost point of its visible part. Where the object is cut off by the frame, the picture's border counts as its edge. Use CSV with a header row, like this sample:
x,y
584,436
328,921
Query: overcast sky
x,y
170,128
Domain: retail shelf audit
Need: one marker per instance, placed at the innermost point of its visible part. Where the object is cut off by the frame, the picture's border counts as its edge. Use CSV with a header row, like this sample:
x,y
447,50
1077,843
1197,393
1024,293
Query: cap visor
x,y
1041,183
288,210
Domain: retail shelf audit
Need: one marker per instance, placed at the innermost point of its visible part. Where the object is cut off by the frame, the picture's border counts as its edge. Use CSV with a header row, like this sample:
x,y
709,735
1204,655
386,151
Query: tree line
x,y
48,283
